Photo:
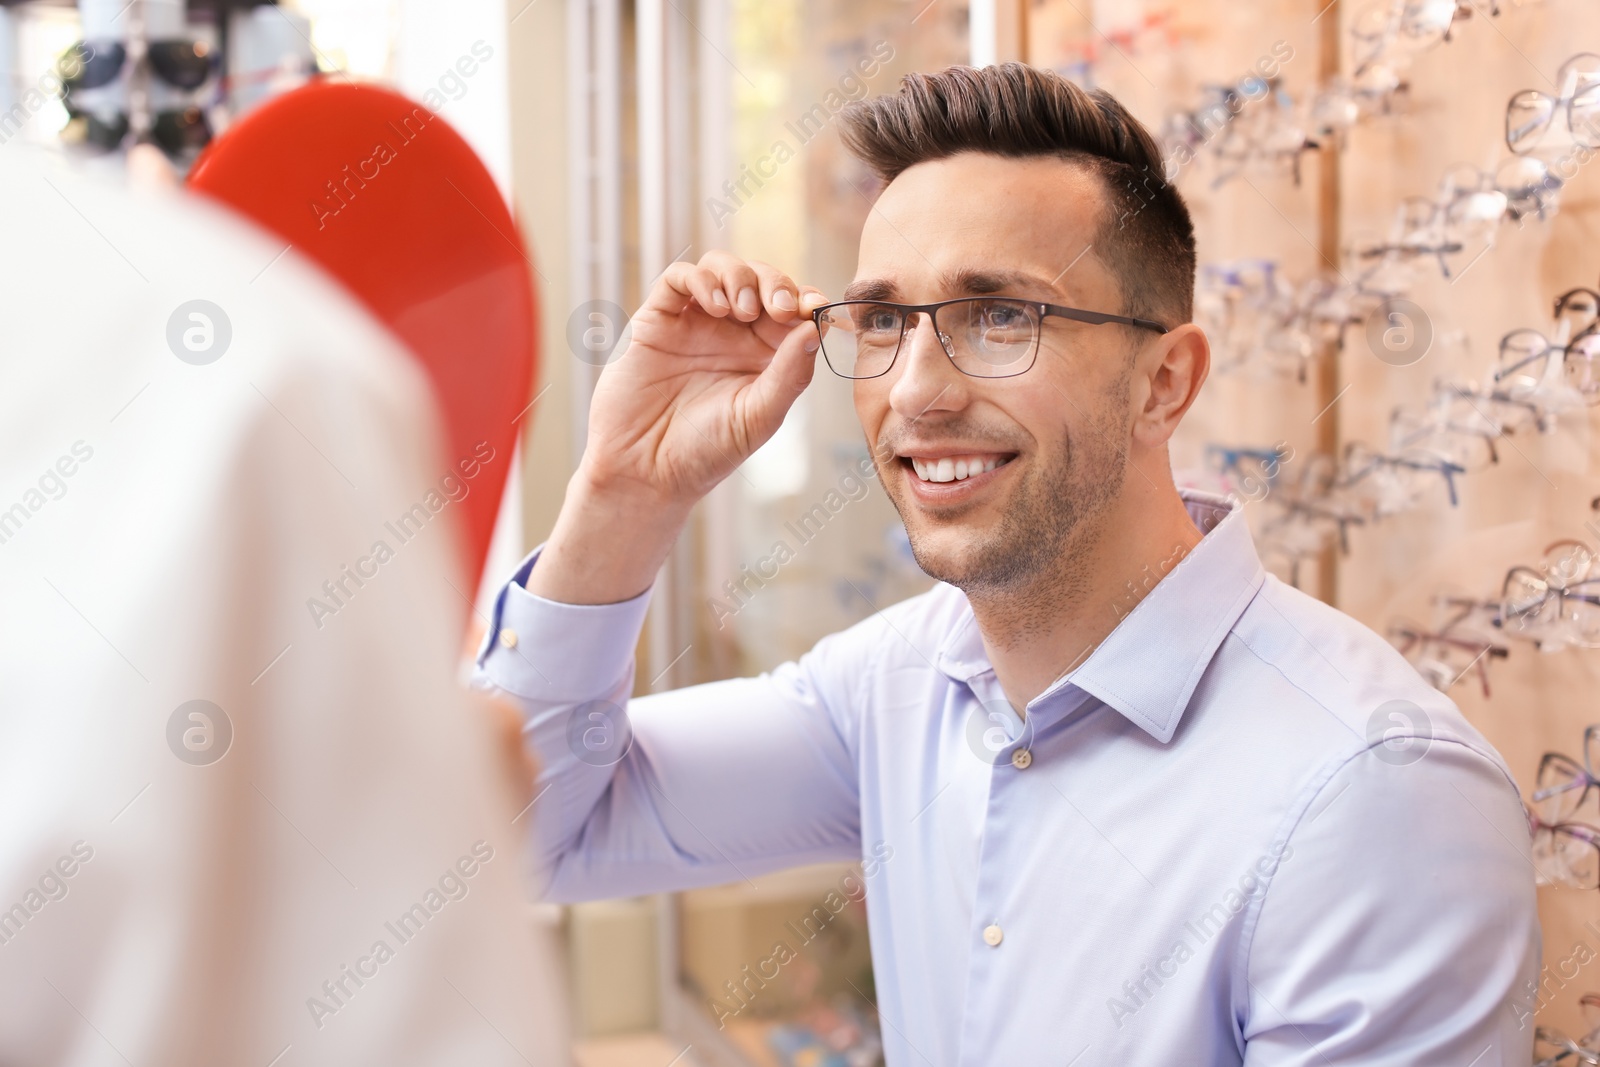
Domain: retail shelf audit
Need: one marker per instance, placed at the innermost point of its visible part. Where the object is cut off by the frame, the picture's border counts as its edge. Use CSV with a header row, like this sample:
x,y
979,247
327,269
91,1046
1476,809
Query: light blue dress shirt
x,y
1243,831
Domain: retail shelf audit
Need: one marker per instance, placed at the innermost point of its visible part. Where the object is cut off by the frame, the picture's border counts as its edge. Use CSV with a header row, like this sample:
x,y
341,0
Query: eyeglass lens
x,y
986,338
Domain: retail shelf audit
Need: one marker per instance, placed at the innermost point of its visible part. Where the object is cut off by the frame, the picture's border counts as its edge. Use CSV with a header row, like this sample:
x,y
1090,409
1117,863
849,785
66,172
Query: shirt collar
x,y
1147,668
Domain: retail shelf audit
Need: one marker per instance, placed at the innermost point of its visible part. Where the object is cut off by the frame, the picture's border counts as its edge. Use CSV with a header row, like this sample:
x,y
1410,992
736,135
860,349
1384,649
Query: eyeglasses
x,y
1565,853
1529,352
1552,1048
1530,113
1396,482
1450,426
1563,783
1269,134
1419,229
1579,308
1306,514
1245,472
182,64
1444,658
984,336
1529,187
1556,604
176,131
1188,131
1413,25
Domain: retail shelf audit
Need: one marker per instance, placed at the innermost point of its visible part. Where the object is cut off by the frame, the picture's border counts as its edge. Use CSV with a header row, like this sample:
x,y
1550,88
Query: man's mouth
x,y
957,468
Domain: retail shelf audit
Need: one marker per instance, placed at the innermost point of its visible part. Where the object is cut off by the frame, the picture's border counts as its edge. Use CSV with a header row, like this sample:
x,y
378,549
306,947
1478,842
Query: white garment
x,y
166,527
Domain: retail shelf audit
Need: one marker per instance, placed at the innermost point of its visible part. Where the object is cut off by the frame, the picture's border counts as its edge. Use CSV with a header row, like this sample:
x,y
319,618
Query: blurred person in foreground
x,y
236,830
1120,796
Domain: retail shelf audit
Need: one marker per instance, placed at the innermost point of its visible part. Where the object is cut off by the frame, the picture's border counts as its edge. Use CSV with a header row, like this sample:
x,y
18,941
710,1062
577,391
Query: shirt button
x,y
508,638
993,935
1021,759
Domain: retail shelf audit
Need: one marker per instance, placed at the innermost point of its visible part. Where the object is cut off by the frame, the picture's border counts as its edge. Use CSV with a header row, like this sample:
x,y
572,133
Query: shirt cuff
x,y
553,652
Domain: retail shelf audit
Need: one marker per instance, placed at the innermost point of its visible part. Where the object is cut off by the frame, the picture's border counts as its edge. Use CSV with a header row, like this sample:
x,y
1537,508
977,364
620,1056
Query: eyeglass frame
x,y
1558,104
1590,780
1552,591
1092,318
1415,637
1567,1046
1582,831
1440,465
1562,302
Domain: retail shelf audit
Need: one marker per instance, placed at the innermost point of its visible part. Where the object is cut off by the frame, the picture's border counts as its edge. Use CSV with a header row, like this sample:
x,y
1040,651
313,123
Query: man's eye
x,y
1003,317
879,320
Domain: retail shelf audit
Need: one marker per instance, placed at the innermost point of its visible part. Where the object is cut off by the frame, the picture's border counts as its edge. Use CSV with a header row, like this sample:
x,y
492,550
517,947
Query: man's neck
x,y
1035,634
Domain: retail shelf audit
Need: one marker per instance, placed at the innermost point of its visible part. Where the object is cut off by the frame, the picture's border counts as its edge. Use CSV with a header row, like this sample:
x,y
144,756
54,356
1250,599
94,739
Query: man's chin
x,y
946,558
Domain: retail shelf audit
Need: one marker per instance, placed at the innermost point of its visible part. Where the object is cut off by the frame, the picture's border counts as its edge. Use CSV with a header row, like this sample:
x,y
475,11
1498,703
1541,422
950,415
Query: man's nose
x,y
925,379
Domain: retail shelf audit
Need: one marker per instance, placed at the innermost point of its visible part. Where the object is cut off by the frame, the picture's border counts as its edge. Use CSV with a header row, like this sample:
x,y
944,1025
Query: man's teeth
x,y
953,469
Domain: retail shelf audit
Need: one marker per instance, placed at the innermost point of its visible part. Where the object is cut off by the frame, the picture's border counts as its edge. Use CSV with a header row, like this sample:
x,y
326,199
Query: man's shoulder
x,y
1324,682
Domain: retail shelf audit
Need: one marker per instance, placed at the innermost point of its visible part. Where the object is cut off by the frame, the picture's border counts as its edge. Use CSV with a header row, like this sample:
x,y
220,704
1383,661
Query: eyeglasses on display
x,y
1526,360
1552,1048
1556,604
1530,113
1444,657
1566,853
1397,29
1564,783
1450,426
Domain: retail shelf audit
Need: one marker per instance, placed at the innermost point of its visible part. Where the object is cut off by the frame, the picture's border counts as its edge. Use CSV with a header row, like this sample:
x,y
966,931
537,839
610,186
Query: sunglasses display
x,y
182,64
176,131
93,92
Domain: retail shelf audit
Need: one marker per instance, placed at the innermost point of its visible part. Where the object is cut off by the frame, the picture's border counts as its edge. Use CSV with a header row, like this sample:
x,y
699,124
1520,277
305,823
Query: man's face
x,y
1056,436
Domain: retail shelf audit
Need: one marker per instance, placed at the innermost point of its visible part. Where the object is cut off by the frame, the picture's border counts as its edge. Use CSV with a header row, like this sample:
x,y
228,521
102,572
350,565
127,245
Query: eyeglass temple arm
x,y
1100,318
1503,371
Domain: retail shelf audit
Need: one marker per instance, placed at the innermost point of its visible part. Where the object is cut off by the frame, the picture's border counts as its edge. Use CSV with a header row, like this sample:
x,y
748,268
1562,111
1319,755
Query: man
x,y
1112,819
236,831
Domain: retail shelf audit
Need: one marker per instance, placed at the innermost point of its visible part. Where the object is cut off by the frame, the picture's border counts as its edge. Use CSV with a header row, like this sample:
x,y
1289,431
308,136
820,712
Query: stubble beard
x,y
1037,556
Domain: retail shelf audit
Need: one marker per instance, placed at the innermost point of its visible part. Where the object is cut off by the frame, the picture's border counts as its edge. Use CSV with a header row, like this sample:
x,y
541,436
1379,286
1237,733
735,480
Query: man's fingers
x,y
724,285
709,293
779,294
738,280
786,377
685,280
770,331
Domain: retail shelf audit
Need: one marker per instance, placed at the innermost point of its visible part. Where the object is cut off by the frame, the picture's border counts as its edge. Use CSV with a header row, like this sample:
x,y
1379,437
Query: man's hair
x,y
1146,238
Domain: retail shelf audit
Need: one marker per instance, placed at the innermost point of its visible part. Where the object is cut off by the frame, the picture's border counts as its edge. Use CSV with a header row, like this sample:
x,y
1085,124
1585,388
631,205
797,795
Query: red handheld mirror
x,y
391,201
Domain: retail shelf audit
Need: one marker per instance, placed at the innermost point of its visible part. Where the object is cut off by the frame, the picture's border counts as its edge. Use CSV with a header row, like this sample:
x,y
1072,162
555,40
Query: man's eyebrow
x,y
870,289
981,282
967,282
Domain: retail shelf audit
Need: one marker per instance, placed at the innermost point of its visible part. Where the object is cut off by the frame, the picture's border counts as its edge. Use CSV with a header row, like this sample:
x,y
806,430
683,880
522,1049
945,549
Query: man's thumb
x,y
786,376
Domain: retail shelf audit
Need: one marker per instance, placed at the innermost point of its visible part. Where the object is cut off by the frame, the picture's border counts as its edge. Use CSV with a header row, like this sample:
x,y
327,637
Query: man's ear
x,y
1176,364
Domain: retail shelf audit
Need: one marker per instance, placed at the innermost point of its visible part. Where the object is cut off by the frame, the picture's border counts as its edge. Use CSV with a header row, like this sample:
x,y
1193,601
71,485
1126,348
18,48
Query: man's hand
x,y
720,350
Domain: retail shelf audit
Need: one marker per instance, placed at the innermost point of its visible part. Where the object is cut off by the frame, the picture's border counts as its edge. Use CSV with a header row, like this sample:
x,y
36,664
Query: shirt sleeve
x,y
1401,925
701,786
